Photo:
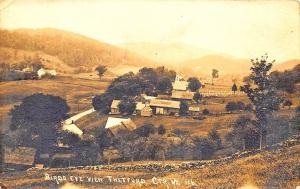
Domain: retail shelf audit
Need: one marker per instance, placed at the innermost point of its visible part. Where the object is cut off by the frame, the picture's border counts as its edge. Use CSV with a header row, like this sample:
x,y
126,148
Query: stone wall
x,y
160,167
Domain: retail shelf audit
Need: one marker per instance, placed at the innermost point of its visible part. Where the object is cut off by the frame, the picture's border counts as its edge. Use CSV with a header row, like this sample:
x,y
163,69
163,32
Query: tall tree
x,y
101,69
39,117
214,75
194,84
262,94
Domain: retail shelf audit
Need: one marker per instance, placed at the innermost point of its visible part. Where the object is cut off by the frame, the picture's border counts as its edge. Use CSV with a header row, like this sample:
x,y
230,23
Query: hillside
x,y
13,56
287,65
276,168
72,49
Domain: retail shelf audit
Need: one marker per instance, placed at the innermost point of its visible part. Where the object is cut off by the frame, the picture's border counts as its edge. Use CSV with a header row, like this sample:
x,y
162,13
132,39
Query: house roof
x,y
147,108
182,95
180,85
165,103
117,124
140,106
72,128
115,103
146,97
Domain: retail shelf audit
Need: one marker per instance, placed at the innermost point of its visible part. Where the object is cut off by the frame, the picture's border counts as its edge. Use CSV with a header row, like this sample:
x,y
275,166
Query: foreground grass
x,y
277,169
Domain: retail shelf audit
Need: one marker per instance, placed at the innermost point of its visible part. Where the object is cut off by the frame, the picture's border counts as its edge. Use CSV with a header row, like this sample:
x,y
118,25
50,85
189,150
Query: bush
x,y
248,108
146,130
184,108
203,148
205,112
231,106
161,130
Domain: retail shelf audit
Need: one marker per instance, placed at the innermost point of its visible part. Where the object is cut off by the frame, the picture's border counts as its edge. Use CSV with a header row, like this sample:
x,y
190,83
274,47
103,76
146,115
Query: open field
x,y
77,92
269,169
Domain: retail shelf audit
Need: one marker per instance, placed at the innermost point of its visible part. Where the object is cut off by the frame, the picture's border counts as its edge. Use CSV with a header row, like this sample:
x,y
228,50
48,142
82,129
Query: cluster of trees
x,y
286,80
239,105
12,72
246,132
37,120
150,142
151,81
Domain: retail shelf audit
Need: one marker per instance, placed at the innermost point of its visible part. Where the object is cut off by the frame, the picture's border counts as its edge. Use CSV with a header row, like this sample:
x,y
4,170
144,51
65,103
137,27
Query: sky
x,y
244,29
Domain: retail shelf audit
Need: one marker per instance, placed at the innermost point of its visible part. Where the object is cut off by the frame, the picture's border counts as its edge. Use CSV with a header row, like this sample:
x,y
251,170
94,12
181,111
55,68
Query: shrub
x,y
146,130
184,108
205,112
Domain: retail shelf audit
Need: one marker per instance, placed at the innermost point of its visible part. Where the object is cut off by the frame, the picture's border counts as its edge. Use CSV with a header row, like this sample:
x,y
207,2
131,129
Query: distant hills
x,y
72,53
168,53
72,49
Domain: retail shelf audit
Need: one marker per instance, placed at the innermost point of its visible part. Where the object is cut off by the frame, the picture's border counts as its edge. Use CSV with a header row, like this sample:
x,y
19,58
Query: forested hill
x,y
73,49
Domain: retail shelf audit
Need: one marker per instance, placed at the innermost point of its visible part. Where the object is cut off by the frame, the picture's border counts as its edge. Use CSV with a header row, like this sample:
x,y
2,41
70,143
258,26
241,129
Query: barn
x,y
165,107
115,125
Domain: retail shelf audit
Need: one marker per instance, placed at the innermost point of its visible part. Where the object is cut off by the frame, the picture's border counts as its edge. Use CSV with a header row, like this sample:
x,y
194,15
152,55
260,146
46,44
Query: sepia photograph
x,y
149,94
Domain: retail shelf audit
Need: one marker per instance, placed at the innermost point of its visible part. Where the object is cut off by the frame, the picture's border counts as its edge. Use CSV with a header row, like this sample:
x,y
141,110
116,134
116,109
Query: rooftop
x,y
182,95
72,128
165,103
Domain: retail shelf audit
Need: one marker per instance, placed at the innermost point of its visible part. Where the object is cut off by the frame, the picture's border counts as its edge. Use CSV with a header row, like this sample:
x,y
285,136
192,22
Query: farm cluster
x,y
181,101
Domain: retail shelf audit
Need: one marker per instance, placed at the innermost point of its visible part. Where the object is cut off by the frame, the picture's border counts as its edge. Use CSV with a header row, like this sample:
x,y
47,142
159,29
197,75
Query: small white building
x,y
143,109
42,72
114,108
